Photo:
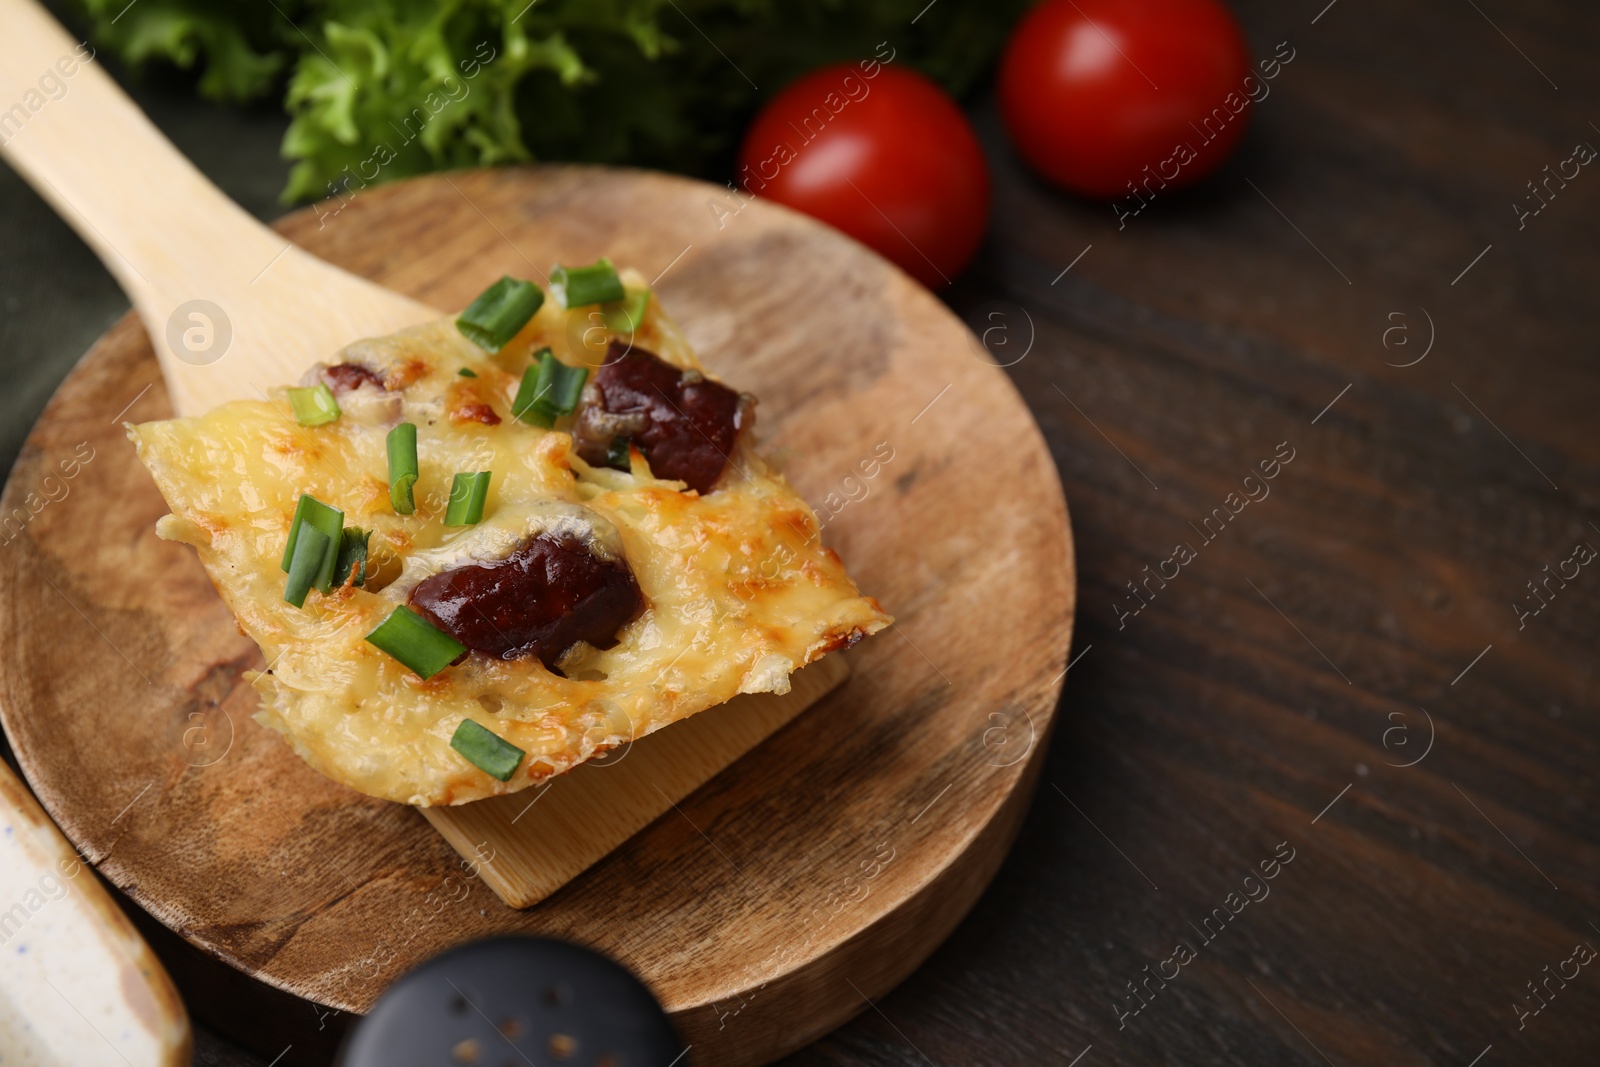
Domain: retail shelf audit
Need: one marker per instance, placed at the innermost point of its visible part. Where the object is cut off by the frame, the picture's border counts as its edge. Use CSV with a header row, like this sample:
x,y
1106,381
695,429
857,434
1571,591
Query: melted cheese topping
x,y
738,590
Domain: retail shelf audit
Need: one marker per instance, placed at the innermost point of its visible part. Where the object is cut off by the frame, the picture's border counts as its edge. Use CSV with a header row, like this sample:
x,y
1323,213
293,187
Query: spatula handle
x,y
152,218
232,308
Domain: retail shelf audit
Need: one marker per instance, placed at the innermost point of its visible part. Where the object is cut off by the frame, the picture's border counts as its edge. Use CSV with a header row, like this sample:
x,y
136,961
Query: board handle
x,y
91,153
207,279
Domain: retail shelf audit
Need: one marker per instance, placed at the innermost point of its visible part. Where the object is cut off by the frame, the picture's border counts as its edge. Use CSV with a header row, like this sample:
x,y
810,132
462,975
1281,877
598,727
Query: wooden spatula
x,y
231,307
232,310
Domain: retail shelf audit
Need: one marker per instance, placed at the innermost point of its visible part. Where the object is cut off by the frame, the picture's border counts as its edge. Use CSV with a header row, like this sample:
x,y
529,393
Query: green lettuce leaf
x,y
385,89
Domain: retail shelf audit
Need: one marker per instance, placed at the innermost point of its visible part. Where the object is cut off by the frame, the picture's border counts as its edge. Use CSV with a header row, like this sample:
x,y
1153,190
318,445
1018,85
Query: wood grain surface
x,y
776,901
1195,739
1261,686
527,845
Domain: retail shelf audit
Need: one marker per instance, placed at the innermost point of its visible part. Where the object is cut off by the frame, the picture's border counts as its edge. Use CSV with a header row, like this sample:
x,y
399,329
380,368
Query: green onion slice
x,y
626,316
314,514
402,445
486,750
576,287
549,390
467,372
314,406
499,312
416,642
617,455
309,549
352,556
467,494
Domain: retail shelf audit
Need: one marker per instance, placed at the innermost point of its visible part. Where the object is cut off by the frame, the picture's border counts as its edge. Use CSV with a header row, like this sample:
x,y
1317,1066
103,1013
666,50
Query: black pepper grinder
x,y
515,1002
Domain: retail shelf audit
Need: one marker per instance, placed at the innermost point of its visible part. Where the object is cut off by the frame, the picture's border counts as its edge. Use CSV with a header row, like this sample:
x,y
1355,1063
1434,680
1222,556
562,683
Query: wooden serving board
x,y
767,907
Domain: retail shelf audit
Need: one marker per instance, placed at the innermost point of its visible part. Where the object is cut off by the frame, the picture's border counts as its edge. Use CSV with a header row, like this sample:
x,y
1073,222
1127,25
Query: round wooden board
x,y
816,872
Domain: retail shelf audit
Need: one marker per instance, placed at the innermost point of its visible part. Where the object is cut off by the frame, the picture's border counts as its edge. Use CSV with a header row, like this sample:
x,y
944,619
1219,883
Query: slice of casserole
x,y
482,551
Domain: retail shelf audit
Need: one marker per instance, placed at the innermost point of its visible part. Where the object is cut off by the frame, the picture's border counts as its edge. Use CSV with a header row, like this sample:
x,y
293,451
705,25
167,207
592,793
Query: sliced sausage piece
x,y
548,594
685,424
343,377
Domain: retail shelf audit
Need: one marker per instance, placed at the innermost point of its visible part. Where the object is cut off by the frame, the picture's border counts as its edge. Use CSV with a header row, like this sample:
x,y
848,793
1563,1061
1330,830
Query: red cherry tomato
x,y
1093,92
878,152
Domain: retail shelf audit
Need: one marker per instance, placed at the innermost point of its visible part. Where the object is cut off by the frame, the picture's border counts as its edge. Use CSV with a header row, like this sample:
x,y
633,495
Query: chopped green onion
x,y
402,445
625,317
549,390
580,286
500,312
467,372
467,494
314,406
617,455
352,556
416,642
486,750
314,514
309,549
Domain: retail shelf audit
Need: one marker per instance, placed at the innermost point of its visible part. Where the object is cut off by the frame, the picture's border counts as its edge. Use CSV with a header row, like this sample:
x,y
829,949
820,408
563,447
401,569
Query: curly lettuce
x,y
384,89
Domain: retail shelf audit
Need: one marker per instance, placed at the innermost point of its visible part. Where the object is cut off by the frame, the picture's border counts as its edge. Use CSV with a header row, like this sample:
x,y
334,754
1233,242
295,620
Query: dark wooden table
x,y
1337,669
